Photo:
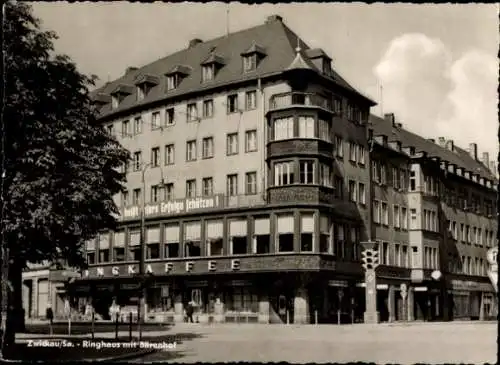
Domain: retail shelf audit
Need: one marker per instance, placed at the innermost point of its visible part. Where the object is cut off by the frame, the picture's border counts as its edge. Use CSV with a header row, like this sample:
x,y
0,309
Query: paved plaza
x,y
455,342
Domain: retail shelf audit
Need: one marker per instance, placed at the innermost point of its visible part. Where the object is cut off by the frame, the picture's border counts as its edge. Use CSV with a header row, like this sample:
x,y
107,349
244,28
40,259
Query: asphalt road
x,y
452,342
78,328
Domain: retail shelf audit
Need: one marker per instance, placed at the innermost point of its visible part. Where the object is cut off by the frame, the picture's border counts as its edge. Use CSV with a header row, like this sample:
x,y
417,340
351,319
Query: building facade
x,y
261,172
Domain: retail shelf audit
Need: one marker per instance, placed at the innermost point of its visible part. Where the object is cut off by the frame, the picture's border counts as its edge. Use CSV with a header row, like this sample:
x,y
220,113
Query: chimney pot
x,y
442,141
473,150
130,69
450,145
399,125
389,117
193,42
432,140
274,18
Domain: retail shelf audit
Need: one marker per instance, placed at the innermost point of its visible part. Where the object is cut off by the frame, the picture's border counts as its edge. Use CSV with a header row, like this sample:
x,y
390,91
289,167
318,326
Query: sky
x,y
434,66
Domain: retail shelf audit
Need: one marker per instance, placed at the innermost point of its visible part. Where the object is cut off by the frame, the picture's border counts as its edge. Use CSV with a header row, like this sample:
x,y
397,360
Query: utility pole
x,y
142,262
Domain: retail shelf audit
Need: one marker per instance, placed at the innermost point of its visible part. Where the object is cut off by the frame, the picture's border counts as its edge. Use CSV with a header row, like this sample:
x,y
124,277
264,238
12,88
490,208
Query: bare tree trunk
x,y
4,298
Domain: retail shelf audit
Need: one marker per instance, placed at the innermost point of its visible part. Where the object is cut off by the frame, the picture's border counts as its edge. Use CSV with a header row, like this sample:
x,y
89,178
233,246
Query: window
x,y
114,102
125,128
385,214
413,217
191,188
325,175
207,147
397,255
125,201
307,172
232,104
283,128
169,154
337,105
251,183
168,190
140,93
361,155
214,235
404,256
479,239
395,178
339,187
339,147
353,191
376,171
413,181
155,120
137,160
462,232
192,112
251,141
376,211
173,82
110,129
352,152
403,179
155,157
169,117
192,239
207,186
251,100
207,72
306,232
232,144
119,247
232,185
238,236
324,130
351,112
396,216
249,62
191,151
283,173
467,234
284,230
306,127
134,246
208,108
325,235
383,173
153,243
136,196
155,194
262,237
362,193
138,125
340,241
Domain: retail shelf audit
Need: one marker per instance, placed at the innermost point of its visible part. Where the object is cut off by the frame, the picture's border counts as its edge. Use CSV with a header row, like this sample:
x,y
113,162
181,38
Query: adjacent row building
x,y
263,172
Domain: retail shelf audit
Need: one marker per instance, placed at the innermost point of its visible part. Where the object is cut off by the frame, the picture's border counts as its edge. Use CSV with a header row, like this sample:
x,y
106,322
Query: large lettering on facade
x,y
176,207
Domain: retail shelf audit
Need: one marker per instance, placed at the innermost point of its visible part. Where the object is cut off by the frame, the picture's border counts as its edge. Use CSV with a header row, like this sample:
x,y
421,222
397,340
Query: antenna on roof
x,y
381,100
227,19
298,49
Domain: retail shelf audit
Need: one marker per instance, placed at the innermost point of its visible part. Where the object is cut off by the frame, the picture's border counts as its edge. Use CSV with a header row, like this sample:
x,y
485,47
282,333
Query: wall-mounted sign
x,y
176,206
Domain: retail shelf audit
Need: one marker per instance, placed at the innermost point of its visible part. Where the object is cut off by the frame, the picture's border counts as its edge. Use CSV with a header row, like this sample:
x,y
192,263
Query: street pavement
x,y
452,342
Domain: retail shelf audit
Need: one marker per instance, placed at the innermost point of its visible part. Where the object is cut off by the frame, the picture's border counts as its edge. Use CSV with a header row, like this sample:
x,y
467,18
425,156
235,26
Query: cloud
x,y
434,95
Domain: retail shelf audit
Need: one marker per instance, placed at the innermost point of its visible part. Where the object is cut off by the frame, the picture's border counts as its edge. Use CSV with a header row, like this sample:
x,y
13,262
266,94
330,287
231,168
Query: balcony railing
x,y
288,99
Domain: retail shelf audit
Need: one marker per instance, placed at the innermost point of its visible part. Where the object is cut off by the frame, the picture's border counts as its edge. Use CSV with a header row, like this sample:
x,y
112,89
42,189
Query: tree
x,y
60,168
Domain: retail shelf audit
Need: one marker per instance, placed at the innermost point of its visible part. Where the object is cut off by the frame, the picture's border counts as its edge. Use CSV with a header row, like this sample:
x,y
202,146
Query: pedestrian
x,y
49,314
189,312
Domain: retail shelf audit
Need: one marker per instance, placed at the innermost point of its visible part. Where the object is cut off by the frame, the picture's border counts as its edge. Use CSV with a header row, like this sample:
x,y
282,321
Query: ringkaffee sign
x,y
173,207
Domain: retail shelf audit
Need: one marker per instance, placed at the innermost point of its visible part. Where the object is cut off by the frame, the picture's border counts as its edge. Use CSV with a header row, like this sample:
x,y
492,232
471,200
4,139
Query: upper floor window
x,y
306,127
208,108
155,157
283,173
283,128
155,120
207,72
232,103
339,147
251,141
251,100
353,191
207,188
251,183
351,112
192,112
155,193
169,154
324,130
352,151
140,93
191,188
249,62
110,129
173,81
413,181
169,117
232,144
125,128
361,155
137,160
191,151
136,196
232,185
138,123
115,101
325,175
306,169
207,147
337,105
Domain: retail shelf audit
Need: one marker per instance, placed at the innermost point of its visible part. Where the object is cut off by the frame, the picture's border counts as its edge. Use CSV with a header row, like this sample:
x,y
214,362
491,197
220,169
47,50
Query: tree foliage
x,y
61,167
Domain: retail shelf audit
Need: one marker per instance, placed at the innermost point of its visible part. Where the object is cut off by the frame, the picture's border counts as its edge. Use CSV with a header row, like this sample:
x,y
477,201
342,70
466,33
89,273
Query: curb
x,y
126,356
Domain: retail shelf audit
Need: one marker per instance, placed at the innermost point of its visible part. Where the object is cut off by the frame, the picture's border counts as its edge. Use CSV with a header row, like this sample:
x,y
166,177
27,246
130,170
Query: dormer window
x,y
120,92
207,72
210,67
252,57
115,102
320,59
140,93
173,82
144,83
176,75
327,68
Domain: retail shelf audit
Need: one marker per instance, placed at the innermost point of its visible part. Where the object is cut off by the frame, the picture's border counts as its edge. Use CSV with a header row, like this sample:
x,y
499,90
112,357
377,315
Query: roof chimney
x,y
442,142
473,150
274,18
493,167
450,145
399,125
389,117
432,140
193,42
486,159
130,69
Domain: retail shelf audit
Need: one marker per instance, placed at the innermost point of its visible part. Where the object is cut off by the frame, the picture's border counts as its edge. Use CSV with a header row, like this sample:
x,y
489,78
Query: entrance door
x,y
285,307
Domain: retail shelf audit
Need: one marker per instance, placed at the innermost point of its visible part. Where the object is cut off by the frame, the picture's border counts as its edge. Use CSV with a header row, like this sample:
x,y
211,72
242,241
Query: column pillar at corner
x,y
301,306
391,302
410,304
34,298
263,316
219,309
178,308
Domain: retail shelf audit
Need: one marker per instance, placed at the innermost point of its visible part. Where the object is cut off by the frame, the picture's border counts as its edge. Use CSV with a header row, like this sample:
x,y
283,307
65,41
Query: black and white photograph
x,y
226,182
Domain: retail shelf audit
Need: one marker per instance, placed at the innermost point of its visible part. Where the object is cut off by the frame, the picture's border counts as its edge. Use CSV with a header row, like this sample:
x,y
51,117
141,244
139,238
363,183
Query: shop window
x,y
134,248
153,243
285,229
160,299
214,233
325,236
192,239
306,232
262,238
242,299
172,240
238,237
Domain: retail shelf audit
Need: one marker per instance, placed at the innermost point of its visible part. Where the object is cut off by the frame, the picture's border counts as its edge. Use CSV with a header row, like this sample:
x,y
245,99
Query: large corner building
x,y
263,171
